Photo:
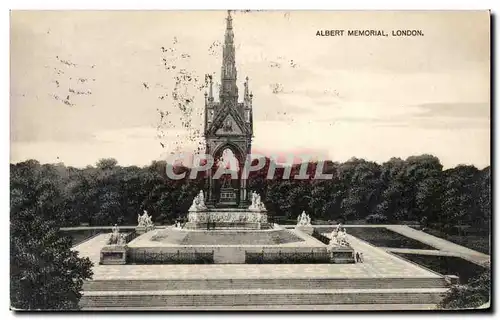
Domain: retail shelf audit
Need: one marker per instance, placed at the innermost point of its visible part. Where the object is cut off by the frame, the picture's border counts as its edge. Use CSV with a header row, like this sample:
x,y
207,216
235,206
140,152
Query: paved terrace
x,y
447,248
378,263
289,307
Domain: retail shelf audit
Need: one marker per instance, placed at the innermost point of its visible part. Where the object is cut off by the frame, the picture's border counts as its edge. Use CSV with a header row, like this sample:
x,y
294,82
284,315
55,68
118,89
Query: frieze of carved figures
x,y
202,217
250,217
303,219
258,217
193,217
255,217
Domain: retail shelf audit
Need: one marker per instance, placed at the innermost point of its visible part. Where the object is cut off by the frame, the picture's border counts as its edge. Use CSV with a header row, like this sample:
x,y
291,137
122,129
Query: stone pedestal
x,y
306,229
341,255
451,279
114,254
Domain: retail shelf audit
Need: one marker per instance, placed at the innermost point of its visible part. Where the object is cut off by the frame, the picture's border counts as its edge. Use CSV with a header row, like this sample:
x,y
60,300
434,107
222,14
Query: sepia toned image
x,y
250,160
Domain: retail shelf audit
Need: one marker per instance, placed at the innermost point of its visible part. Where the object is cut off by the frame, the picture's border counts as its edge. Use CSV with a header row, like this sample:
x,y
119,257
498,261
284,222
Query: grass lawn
x,y
479,241
445,265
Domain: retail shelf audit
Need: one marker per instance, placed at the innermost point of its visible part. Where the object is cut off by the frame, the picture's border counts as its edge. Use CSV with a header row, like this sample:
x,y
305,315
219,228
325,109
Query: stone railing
x,y
178,257
271,257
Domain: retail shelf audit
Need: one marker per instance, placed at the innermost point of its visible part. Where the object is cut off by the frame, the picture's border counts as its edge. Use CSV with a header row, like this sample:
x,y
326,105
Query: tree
x,y
428,199
321,193
414,189
459,198
361,181
277,196
106,164
45,273
483,197
471,295
394,200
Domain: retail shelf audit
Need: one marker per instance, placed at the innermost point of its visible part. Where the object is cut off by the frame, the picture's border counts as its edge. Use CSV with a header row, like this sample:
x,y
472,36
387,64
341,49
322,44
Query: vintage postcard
x,y
250,160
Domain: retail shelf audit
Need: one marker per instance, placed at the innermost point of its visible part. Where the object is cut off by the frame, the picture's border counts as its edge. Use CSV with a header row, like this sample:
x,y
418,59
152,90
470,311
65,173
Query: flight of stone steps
x,y
200,293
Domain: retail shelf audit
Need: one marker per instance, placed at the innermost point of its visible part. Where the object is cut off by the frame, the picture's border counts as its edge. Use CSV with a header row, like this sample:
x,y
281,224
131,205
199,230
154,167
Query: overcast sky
x,y
88,85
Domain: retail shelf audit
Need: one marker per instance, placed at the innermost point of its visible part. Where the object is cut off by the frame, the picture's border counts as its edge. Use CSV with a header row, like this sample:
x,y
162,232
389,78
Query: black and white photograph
x,y
250,160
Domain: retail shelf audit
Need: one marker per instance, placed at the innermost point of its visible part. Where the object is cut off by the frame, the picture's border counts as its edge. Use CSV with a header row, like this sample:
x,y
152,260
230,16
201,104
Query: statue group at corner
x,y
145,221
338,237
116,237
303,220
198,203
257,204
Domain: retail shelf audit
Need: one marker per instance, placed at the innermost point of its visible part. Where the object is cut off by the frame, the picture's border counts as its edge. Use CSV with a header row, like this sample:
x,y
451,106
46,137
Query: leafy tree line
x,y
415,189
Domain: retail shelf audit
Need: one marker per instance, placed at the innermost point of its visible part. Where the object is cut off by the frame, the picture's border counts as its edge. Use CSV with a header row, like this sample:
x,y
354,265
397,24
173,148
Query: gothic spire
x,y
228,74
